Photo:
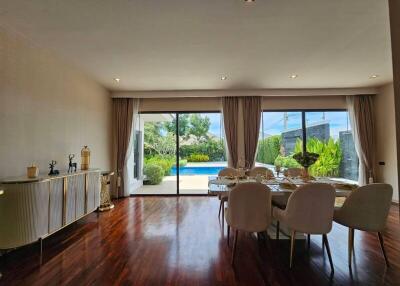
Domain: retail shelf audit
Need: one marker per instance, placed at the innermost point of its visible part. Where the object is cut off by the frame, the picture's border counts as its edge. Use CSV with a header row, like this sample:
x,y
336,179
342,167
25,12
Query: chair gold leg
x,y
383,248
228,235
292,242
328,250
234,247
223,215
351,245
277,230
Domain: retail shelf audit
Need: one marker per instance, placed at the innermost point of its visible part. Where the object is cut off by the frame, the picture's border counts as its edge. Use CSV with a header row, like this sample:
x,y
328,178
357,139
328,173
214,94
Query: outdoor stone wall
x,y
289,138
349,165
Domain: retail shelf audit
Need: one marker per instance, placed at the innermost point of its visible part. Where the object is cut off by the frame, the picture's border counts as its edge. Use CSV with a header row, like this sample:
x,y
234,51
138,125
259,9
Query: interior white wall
x,y
385,126
48,110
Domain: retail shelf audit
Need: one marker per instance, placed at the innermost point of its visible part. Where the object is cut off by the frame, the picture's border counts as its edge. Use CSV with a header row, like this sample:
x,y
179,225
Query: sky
x,y
273,121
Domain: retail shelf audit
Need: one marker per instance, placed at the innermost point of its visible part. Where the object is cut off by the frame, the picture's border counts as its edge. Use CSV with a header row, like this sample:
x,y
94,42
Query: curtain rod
x,y
247,92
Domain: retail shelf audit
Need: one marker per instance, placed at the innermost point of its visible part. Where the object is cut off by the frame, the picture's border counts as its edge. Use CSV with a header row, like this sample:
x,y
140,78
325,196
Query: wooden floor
x,y
179,241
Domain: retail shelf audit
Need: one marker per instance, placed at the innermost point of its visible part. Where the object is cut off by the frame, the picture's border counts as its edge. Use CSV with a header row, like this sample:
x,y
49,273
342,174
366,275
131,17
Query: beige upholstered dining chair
x,y
249,210
309,210
294,172
366,209
224,198
263,171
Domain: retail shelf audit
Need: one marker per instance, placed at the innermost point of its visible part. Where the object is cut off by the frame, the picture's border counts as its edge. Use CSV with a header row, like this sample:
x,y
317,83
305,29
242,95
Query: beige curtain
x,y
360,108
230,109
122,133
251,120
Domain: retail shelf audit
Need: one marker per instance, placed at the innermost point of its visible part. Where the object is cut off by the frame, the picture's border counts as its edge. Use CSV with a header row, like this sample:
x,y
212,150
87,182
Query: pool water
x,y
212,170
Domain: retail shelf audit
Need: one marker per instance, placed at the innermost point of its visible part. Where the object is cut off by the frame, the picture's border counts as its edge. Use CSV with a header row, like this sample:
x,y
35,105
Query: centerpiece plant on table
x,y
306,160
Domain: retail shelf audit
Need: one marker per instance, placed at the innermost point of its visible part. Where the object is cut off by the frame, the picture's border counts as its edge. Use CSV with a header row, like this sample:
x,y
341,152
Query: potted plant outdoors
x,y
306,160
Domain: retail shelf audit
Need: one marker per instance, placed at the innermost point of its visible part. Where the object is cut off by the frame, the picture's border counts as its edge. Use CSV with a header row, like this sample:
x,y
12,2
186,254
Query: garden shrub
x,y
215,150
198,158
165,162
286,162
182,162
268,149
154,174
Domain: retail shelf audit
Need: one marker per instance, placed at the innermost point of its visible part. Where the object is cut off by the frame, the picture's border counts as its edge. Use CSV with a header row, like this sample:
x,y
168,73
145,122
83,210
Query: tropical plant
x,y
268,149
198,158
154,174
330,156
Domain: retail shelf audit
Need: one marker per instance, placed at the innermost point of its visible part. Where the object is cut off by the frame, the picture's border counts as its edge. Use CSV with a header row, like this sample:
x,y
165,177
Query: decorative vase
x,y
32,172
85,158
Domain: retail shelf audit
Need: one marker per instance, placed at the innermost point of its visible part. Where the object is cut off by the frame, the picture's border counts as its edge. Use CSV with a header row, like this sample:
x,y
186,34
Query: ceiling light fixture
x,y
373,76
249,1
293,76
224,77
116,79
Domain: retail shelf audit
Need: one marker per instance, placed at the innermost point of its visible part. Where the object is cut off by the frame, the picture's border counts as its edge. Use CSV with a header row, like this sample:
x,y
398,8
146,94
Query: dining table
x,y
278,185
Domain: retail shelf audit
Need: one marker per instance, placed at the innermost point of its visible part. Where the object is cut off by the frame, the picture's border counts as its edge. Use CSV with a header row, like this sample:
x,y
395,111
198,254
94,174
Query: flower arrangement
x,y
306,159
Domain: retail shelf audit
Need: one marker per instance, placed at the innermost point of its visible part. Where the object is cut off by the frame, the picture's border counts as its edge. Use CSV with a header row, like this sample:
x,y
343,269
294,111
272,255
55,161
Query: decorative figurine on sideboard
x,y
52,171
85,158
72,165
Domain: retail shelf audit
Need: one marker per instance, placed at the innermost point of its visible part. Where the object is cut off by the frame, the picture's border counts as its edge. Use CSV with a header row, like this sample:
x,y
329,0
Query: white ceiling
x,y
190,44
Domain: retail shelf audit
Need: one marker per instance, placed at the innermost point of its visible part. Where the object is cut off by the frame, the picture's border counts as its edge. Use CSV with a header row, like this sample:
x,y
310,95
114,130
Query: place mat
x,y
342,186
288,186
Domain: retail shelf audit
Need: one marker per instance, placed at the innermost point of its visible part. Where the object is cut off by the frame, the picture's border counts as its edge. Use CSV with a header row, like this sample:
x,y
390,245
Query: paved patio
x,y
191,185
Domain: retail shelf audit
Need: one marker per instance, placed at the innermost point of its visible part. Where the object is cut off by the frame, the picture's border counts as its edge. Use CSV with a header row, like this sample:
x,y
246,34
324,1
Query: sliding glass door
x,y
176,153
201,150
156,154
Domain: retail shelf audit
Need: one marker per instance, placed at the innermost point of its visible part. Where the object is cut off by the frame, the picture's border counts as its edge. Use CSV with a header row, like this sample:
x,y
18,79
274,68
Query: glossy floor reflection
x,y
179,241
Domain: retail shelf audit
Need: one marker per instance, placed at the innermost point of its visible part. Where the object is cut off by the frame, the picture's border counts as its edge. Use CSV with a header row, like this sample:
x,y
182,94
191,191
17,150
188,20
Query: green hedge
x,y
154,174
214,149
198,158
165,162
286,162
268,149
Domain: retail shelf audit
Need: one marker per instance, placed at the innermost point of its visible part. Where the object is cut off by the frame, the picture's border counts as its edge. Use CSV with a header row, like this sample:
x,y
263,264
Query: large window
x,y
178,152
281,137
327,133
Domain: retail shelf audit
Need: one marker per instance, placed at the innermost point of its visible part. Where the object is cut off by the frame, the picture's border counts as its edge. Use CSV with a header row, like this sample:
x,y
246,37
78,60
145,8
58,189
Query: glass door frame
x,y
176,114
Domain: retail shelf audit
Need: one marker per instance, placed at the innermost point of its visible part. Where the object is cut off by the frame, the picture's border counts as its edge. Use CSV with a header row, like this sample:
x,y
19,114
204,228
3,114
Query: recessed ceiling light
x,y
249,1
116,79
374,76
293,76
224,77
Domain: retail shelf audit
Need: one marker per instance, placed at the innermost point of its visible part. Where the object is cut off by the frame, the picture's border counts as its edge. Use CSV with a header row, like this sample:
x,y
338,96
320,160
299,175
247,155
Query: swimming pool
x,y
195,170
